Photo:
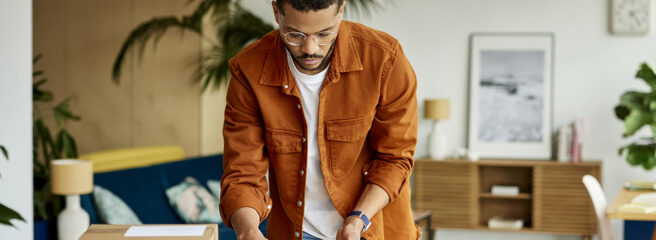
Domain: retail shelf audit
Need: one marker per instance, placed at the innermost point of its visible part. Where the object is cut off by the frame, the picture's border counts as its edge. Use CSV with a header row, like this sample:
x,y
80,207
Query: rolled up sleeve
x,y
393,134
245,163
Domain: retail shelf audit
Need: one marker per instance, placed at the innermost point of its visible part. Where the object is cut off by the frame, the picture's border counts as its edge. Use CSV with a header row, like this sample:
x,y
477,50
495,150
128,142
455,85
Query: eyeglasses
x,y
298,38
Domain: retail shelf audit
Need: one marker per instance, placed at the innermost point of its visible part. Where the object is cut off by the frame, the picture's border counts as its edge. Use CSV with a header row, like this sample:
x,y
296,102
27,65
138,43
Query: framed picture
x,y
510,97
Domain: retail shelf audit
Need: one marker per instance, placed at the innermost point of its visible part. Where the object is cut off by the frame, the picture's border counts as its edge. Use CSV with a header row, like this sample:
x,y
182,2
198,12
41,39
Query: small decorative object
x,y
437,109
499,222
637,110
505,190
460,153
71,178
630,16
473,156
510,95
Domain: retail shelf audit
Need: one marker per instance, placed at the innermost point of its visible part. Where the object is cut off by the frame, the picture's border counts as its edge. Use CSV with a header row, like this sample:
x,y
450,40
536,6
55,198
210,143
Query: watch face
x,y
630,16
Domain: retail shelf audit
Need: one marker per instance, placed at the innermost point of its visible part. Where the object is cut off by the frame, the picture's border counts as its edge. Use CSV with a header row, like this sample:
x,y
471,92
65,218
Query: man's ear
x,y
274,5
341,8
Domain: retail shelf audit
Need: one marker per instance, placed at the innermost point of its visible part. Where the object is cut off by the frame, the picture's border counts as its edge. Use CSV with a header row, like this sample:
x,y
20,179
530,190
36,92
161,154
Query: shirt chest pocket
x,y
285,150
346,139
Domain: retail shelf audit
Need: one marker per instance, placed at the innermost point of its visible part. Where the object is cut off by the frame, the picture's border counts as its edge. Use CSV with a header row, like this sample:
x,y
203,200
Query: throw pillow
x,y
215,188
111,209
193,203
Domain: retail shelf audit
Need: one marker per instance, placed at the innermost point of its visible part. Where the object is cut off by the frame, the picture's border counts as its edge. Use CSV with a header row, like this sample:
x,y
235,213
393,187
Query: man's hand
x,y
351,229
251,234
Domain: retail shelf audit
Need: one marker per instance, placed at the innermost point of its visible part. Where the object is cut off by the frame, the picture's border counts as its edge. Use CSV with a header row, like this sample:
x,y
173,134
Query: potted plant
x,y
47,147
235,28
638,109
7,214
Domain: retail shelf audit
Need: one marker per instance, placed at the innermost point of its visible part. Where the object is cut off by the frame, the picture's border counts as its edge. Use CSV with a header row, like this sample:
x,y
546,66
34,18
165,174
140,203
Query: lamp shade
x,y
71,176
437,109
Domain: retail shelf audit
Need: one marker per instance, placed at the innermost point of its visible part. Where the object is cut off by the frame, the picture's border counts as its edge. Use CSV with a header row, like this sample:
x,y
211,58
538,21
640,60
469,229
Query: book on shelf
x,y
505,190
570,142
500,222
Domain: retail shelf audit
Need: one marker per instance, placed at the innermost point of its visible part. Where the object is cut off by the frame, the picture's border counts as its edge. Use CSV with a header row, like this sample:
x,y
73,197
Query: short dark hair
x,y
307,5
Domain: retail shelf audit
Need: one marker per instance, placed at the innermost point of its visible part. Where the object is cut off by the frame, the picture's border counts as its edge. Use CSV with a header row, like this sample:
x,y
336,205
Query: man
x,y
328,108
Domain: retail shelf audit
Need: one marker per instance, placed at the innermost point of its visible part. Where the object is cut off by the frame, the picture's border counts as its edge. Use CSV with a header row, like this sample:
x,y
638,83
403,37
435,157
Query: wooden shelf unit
x,y
552,197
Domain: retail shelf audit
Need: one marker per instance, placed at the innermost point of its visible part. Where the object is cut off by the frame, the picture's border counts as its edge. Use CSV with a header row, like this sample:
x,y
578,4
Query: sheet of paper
x,y
165,231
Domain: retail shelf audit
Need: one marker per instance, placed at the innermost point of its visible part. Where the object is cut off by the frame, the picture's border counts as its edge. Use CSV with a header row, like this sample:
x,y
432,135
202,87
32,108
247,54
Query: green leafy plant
x,y
47,146
638,109
7,214
235,27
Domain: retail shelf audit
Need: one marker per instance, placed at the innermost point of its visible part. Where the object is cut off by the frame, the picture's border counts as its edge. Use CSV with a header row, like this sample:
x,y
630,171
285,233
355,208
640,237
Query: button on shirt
x,y
320,219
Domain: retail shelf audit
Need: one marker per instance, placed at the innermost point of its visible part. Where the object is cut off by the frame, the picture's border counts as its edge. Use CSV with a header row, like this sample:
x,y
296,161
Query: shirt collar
x,y
345,58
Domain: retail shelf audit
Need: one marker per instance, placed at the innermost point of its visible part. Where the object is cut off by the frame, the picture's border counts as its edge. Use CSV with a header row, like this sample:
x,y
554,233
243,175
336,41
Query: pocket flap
x,y
283,141
348,130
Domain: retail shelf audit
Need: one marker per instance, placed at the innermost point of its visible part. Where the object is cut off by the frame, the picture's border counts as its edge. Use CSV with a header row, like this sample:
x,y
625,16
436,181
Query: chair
x,y
600,204
424,216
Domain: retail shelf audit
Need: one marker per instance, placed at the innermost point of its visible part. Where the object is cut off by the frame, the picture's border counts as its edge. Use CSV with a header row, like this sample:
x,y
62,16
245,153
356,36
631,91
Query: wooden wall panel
x,y
447,190
154,104
562,203
166,106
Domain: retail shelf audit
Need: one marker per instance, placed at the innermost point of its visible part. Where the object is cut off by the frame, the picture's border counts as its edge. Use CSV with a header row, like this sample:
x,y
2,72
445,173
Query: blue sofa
x,y
143,189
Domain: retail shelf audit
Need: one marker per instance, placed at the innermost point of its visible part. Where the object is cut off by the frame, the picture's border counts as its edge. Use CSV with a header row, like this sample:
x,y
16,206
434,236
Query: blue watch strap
x,y
363,217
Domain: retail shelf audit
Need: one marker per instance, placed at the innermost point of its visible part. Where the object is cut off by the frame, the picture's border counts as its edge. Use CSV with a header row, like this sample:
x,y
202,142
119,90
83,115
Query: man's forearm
x,y
244,219
373,199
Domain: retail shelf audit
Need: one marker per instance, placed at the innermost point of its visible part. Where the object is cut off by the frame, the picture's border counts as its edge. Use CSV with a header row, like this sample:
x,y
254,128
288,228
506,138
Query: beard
x,y
308,56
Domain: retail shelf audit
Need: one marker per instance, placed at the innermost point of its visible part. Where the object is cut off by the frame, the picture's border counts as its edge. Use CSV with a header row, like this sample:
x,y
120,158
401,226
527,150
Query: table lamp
x,y
437,109
71,178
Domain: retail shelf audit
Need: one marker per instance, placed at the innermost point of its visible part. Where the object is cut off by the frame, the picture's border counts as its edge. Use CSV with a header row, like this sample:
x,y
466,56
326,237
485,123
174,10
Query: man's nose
x,y
310,46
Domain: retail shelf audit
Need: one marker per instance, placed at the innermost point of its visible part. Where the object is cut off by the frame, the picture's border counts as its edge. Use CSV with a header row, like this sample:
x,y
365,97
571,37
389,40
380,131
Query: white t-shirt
x,y
321,218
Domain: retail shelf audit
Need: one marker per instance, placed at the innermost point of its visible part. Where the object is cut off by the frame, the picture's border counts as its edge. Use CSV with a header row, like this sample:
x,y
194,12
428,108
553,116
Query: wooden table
x,y
625,196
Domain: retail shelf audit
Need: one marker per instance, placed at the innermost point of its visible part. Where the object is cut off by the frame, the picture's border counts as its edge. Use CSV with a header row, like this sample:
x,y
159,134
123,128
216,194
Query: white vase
x,y
437,142
73,221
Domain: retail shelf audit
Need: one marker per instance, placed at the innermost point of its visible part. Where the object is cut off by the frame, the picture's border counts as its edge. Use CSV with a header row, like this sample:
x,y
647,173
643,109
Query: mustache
x,y
310,56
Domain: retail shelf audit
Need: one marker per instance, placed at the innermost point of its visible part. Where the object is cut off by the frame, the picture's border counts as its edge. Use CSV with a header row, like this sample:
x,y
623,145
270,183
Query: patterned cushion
x,y
215,188
193,203
111,209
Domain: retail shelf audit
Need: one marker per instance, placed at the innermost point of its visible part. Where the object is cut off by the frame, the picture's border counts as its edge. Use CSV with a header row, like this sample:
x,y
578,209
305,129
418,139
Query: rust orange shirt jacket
x,y
367,132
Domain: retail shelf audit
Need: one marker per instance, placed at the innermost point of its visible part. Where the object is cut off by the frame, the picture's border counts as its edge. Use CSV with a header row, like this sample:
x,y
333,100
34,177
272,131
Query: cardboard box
x,y
117,232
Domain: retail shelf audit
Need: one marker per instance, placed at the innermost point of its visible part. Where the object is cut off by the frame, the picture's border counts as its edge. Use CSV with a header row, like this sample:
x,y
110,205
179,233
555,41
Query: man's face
x,y
310,57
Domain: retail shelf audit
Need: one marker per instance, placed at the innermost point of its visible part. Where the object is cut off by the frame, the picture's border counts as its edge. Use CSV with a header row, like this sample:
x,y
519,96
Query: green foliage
x,y
48,146
6,213
637,110
235,28
4,152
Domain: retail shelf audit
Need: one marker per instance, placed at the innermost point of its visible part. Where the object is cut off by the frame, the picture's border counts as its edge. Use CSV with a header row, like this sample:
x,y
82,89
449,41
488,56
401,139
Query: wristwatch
x,y
363,217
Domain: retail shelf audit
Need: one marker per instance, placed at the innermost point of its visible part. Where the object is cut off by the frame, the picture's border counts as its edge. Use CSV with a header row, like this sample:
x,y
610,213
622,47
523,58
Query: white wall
x,y
592,69
16,114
